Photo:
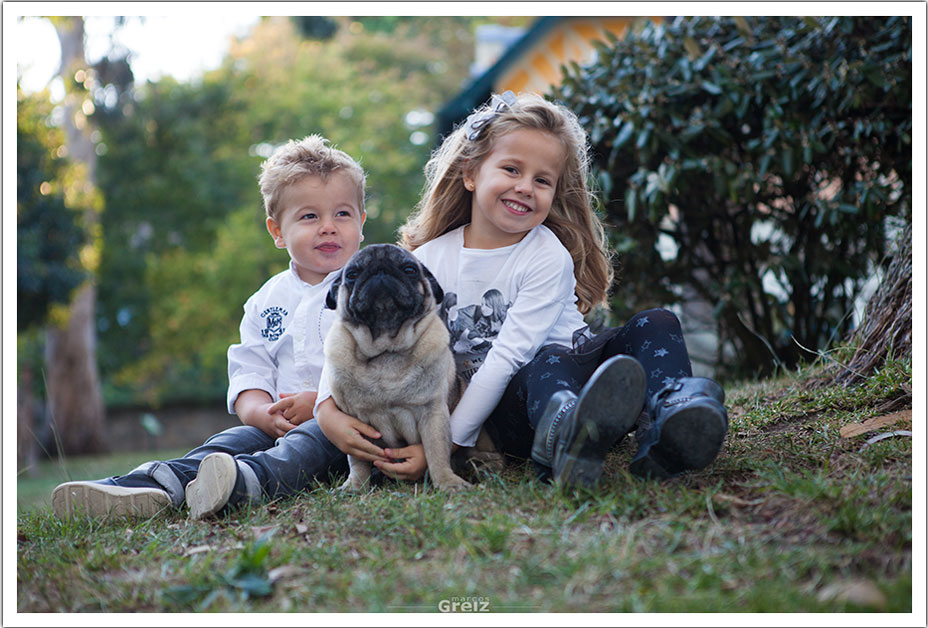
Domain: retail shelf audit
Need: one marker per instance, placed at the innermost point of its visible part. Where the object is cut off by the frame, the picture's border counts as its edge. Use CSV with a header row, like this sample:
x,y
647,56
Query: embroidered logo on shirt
x,y
275,321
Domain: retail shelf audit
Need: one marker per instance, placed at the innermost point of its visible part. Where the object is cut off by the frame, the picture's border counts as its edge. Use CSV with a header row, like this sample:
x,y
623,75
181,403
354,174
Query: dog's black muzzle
x,y
383,303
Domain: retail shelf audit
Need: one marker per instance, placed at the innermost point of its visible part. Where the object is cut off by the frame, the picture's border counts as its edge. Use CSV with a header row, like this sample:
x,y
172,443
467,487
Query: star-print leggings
x,y
653,337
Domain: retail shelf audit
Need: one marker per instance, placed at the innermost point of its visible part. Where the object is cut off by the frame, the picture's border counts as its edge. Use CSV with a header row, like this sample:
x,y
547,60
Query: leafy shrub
x,y
772,155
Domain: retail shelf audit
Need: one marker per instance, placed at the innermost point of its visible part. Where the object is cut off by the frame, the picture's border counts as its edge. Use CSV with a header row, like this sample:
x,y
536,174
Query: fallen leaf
x,y
284,571
858,592
856,429
197,549
260,531
301,528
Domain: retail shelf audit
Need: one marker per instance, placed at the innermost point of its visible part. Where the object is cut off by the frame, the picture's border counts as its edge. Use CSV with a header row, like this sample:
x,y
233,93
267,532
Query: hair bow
x,y
479,120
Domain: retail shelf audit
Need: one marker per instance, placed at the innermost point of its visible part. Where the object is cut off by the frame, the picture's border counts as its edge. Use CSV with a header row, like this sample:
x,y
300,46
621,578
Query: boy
x,y
314,199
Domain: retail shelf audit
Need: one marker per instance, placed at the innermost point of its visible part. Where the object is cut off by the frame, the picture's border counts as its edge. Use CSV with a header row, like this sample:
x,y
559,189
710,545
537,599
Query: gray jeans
x,y
269,468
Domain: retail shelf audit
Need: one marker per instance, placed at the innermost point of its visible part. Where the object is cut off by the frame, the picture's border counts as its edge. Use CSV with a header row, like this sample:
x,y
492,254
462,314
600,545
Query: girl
x,y
507,208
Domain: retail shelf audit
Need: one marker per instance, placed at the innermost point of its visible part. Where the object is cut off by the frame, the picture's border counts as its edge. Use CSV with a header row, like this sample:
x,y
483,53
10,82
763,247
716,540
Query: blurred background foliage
x,y
49,235
183,237
752,164
761,166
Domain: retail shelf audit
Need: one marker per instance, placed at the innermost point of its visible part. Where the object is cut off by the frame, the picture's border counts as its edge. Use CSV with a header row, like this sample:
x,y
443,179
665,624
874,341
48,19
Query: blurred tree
x,y
49,237
767,155
171,175
184,236
381,23
196,314
75,402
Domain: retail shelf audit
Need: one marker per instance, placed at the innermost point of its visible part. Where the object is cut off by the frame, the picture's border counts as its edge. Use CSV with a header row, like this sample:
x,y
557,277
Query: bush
x,y
773,154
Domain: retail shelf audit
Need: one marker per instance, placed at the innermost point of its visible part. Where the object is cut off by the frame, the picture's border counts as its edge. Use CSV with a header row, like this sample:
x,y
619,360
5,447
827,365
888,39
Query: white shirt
x,y
282,332
501,306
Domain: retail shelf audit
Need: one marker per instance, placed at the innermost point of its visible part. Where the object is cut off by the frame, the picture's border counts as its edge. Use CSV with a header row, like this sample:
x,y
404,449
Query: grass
x,y
789,510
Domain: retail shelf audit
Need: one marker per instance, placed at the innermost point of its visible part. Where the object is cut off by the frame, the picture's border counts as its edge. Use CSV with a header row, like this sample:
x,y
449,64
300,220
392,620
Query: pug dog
x,y
388,359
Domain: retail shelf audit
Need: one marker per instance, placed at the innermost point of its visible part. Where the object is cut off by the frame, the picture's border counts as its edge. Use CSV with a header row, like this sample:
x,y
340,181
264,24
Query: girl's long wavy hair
x,y
446,204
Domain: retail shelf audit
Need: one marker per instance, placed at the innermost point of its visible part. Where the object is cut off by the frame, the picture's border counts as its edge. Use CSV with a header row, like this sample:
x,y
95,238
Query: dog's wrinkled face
x,y
382,287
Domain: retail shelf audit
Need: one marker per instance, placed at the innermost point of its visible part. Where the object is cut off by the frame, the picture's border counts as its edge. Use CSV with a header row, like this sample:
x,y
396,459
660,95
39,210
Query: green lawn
x,y
791,517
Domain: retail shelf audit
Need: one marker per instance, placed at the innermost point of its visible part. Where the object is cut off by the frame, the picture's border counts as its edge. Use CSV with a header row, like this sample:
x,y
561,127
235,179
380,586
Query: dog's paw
x,y
351,485
453,484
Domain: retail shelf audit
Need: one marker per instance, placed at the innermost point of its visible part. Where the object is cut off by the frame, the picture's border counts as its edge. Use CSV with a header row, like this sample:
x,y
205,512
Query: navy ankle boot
x,y
576,431
687,423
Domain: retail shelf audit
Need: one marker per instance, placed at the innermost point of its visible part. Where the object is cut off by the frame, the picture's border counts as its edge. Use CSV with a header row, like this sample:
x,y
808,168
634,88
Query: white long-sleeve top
x,y
282,331
501,306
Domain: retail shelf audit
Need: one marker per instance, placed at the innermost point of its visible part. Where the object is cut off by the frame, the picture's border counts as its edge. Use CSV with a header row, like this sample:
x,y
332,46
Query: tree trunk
x,y
26,438
75,400
75,403
886,330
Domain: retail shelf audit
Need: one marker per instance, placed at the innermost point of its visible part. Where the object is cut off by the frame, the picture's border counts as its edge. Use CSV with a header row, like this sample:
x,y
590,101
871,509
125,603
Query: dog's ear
x,y
331,299
437,292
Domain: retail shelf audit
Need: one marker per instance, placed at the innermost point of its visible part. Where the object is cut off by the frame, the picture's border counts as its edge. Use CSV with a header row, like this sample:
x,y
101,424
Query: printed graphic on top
x,y
473,328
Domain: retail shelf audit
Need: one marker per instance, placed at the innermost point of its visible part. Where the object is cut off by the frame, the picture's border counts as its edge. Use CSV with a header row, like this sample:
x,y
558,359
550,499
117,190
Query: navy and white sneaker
x,y
210,491
103,499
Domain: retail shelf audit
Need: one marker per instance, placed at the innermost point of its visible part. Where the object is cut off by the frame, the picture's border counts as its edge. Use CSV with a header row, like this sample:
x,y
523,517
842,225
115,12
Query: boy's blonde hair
x,y
446,204
310,156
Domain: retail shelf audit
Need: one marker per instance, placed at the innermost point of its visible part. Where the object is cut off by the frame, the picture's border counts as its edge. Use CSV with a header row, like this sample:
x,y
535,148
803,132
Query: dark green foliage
x,y
170,179
774,152
48,234
315,26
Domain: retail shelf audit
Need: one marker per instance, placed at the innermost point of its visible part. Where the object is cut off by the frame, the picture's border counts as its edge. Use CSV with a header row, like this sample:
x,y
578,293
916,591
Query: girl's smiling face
x,y
513,188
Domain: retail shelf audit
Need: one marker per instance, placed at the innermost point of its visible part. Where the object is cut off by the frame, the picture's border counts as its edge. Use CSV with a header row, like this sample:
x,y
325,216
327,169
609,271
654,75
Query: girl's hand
x,y
348,433
295,407
412,469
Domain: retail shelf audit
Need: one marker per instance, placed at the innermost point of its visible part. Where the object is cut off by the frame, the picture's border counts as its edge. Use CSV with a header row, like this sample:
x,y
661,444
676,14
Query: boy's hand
x,y
348,433
412,469
253,408
279,426
295,407
271,423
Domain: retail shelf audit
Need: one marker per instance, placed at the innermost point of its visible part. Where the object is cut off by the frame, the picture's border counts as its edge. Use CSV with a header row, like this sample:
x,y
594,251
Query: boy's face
x,y
319,223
